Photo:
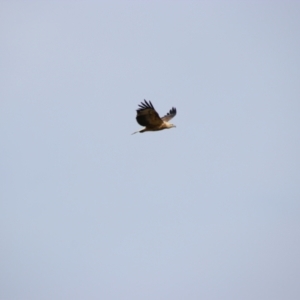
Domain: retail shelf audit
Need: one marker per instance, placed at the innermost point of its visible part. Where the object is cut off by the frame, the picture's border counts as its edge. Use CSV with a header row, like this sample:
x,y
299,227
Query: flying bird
x,y
148,117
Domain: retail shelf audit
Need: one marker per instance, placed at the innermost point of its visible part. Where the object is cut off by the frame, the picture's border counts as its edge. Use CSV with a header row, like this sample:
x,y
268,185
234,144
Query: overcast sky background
x,y
208,210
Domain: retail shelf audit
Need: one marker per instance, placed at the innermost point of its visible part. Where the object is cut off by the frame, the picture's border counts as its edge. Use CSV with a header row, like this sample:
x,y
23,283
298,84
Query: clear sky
x,y
207,210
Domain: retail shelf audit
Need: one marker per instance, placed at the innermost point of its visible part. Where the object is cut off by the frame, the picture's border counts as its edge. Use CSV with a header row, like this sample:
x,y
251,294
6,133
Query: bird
x,y
147,116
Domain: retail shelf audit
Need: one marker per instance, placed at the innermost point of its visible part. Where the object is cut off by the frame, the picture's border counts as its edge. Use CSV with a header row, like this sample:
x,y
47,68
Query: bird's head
x,y
170,125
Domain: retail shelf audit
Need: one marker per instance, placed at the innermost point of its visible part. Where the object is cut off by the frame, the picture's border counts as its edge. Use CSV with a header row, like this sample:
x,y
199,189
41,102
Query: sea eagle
x,y
148,117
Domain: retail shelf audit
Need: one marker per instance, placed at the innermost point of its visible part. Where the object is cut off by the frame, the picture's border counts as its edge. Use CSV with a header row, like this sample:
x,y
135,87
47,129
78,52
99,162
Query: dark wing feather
x,y
170,115
147,115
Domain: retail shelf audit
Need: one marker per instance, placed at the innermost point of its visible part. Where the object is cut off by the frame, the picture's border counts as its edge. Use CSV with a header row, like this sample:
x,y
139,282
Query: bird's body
x,y
148,117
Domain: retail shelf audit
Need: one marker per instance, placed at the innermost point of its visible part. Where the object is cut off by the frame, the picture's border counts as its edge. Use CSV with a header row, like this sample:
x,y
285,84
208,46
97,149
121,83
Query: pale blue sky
x,y
208,210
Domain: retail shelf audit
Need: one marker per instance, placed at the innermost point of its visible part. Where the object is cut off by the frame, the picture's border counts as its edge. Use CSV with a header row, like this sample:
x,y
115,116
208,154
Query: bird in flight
x,y
148,117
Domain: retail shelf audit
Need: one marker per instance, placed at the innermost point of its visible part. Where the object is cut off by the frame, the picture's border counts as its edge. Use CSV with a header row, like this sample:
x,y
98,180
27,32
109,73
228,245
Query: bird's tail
x,y
141,131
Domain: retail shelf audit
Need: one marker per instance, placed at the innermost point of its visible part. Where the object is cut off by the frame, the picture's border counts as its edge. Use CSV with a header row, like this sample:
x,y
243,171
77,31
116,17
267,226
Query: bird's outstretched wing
x,y
147,115
171,114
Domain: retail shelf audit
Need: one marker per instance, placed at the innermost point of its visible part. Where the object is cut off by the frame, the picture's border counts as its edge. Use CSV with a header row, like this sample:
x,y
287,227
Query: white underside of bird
x,y
165,125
